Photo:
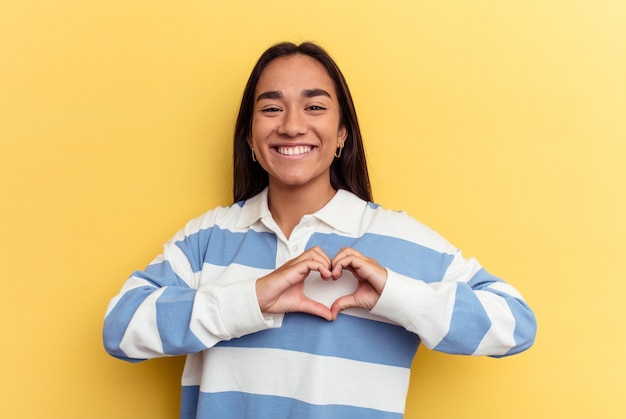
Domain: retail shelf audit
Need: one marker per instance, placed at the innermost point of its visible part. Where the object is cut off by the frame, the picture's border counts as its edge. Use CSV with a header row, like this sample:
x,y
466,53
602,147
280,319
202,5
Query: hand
x,y
371,276
282,291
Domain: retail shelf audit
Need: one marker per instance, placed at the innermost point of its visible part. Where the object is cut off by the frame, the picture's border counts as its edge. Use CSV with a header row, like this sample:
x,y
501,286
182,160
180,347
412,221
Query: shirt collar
x,y
253,209
342,212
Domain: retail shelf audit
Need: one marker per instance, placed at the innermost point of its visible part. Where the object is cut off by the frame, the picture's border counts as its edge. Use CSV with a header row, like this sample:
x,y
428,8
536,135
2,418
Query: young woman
x,y
304,299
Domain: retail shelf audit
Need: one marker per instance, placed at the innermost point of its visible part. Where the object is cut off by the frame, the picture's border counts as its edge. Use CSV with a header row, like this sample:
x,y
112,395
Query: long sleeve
x,y
469,312
171,308
450,302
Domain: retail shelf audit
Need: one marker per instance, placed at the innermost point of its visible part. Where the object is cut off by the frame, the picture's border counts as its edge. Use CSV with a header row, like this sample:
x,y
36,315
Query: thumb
x,y
342,303
315,308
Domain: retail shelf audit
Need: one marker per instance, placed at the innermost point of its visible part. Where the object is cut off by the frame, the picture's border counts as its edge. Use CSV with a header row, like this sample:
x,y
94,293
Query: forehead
x,y
295,72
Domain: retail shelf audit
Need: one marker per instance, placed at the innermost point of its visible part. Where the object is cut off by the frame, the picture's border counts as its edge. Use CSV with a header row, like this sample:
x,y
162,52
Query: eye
x,y
316,108
270,109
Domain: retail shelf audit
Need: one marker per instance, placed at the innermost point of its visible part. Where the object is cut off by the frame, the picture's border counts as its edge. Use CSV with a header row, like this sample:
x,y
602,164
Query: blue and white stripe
x,y
198,298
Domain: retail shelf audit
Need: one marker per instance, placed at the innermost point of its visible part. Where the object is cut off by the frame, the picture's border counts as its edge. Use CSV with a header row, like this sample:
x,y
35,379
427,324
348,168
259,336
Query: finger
x,y
315,253
317,250
346,261
343,259
313,264
320,251
315,308
342,303
293,273
347,251
362,268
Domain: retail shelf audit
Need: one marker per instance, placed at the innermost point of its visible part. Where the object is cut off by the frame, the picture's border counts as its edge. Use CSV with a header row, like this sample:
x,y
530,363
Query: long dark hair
x,y
347,172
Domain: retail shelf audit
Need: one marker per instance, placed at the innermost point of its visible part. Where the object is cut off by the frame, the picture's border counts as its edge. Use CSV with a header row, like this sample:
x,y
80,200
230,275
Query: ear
x,y
342,134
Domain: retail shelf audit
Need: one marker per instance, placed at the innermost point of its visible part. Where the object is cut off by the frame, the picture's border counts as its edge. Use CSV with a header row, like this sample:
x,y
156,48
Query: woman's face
x,y
296,122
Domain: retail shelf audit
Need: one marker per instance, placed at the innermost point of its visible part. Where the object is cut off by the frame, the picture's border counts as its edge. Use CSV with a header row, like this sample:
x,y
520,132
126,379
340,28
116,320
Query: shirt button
x,y
295,248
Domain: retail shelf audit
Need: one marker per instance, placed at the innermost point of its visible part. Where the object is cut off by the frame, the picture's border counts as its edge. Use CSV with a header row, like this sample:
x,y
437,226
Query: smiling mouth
x,y
294,151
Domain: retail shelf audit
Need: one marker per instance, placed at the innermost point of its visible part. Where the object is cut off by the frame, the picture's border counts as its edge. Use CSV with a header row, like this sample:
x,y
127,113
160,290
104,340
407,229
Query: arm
x,y
169,309
165,310
469,312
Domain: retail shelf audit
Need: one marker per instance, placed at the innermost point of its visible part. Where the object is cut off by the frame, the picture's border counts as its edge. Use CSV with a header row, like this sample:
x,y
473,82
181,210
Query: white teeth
x,y
294,151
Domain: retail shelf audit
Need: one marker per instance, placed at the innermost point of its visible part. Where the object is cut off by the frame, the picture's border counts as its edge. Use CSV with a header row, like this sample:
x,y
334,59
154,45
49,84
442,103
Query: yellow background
x,y
501,124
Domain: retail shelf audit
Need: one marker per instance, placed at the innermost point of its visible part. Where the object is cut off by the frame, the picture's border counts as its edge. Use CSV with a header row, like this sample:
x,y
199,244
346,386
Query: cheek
x,y
260,129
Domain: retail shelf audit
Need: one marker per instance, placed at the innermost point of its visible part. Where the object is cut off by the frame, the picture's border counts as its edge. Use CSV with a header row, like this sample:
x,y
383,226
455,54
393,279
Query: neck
x,y
288,204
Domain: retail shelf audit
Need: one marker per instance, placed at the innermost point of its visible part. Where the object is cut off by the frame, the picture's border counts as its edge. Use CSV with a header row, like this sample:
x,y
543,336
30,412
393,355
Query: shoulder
x,y
222,217
399,224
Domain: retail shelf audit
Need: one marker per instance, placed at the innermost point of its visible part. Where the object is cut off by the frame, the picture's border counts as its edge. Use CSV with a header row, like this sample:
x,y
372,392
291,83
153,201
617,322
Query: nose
x,y
292,123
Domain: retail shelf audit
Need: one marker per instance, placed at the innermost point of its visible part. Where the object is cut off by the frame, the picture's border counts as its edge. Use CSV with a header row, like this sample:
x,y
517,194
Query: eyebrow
x,y
307,93
274,94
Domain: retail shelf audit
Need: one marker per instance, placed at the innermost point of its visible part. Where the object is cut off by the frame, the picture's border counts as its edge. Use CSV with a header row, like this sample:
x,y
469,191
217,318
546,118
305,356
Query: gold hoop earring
x,y
253,156
339,150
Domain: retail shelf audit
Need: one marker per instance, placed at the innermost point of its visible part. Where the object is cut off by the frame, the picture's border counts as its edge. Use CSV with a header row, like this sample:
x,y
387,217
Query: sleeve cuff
x,y
401,299
233,310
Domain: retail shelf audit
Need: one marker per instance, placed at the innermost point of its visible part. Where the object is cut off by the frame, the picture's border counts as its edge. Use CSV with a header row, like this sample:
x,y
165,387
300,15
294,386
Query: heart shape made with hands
x,y
326,292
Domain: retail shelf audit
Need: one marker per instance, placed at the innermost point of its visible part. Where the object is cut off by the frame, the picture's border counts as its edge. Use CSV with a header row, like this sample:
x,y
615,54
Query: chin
x,y
294,182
